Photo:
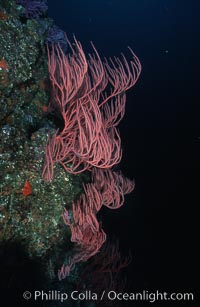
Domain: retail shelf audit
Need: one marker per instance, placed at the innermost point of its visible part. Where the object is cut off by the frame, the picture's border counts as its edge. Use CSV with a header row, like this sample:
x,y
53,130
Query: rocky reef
x,y
31,224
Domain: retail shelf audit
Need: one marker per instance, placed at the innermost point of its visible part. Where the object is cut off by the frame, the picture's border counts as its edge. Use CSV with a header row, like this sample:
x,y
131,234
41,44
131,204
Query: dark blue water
x,y
160,132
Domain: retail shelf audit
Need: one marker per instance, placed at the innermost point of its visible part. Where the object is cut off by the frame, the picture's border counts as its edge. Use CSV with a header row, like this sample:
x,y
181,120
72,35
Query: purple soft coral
x,y
55,36
33,8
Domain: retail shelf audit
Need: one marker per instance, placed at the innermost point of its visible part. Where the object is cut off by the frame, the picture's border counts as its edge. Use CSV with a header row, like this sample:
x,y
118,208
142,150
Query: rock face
x,y
31,225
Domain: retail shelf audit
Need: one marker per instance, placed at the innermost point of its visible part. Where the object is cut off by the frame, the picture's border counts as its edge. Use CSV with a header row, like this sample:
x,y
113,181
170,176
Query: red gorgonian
x,y
90,96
